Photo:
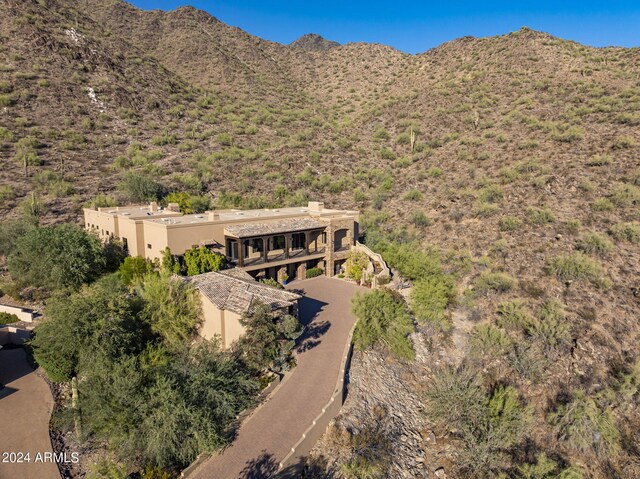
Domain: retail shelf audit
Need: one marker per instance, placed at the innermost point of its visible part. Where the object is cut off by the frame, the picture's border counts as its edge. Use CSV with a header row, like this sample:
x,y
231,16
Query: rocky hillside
x,y
515,156
313,42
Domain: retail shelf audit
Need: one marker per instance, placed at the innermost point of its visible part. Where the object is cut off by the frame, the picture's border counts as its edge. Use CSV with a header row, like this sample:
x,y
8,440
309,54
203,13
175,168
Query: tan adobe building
x,y
227,295
274,243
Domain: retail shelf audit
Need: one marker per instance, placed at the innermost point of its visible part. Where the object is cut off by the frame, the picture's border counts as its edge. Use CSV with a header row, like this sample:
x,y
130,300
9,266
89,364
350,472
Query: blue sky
x,y
419,25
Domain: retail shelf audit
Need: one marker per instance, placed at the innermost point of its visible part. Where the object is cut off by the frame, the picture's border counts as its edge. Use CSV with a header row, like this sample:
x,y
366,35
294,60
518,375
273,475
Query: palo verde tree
x,y
383,317
171,307
56,258
268,339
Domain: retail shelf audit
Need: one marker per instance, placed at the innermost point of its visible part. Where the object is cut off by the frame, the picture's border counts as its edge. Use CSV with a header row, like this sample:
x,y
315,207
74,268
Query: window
x,y
277,242
256,245
298,241
148,246
324,237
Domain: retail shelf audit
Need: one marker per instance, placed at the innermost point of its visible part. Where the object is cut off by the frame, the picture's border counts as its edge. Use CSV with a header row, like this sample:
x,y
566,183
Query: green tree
x,y
268,340
203,260
383,317
140,188
430,296
133,269
56,258
101,319
171,307
356,263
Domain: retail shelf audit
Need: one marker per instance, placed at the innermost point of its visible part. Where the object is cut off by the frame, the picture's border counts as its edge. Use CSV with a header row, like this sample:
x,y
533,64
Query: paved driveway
x,y
267,436
25,409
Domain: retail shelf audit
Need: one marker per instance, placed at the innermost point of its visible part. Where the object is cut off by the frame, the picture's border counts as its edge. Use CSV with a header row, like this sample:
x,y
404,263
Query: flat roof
x,y
283,226
238,215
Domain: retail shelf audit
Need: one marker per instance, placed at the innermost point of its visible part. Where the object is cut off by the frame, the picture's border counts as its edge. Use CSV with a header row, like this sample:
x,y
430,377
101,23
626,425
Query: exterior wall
x,y
22,314
232,327
211,319
102,223
181,237
218,322
134,235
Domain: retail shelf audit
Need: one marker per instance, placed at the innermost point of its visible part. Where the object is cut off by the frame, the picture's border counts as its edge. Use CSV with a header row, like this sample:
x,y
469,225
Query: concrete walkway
x,y
25,408
266,437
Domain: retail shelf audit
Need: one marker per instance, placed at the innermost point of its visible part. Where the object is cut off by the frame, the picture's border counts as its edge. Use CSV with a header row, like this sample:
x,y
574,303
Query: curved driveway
x,y
25,408
266,437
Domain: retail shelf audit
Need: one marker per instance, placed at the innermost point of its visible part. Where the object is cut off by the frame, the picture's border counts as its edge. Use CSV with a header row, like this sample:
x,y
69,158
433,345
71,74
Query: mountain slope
x,y
513,155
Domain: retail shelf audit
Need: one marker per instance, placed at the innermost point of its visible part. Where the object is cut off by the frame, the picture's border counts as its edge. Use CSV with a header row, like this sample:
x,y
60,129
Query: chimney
x,y
173,207
214,216
153,206
316,206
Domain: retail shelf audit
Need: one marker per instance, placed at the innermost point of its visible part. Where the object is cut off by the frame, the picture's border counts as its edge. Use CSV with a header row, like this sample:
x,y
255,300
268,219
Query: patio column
x,y
287,245
306,243
240,252
265,254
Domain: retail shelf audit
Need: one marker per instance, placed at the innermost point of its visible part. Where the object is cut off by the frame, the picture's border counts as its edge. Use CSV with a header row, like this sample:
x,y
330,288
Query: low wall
x,y
384,269
23,314
331,409
11,335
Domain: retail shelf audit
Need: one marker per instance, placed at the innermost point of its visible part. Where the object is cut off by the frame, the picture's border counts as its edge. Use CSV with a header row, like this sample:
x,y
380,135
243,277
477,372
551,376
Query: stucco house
x,y
227,295
274,243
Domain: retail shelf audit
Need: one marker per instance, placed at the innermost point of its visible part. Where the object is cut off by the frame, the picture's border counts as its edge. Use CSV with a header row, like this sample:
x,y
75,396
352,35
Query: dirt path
x,y
267,436
25,408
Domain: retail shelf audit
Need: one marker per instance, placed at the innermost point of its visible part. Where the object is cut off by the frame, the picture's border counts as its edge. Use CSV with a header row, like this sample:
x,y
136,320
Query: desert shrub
x,y
141,188
513,315
224,139
623,142
202,260
625,194
455,399
313,272
133,269
383,317
626,232
552,332
540,216
594,243
435,172
355,264
8,318
551,310
509,223
492,283
545,468
387,154
381,134
602,204
413,195
568,135
485,210
575,267
101,201
491,194
488,342
585,425
430,297
419,219
599,160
